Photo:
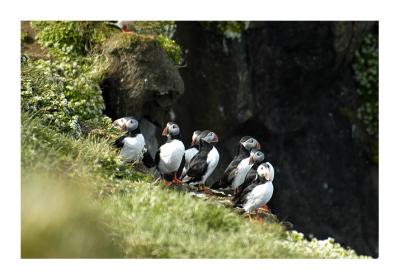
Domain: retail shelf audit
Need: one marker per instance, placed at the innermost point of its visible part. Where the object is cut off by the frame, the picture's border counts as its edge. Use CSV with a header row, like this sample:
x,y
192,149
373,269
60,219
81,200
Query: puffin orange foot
x,y
167,183
126,31
176,180
259,219
265,208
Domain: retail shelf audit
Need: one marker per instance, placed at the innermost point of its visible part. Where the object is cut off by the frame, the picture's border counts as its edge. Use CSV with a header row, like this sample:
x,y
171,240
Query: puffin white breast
x,y
171,154
242,170
190,153
212,162
133,148
259,196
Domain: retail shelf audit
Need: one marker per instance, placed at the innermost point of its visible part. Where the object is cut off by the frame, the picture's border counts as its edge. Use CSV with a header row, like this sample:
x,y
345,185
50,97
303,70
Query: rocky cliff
x,y
290,85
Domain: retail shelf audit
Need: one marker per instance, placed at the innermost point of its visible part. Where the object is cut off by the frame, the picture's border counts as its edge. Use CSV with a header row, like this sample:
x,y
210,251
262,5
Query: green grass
x,y
61,220
82,202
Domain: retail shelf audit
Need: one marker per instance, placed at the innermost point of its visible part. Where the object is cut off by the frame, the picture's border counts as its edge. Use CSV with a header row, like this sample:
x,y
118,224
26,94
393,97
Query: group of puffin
x,y
248,177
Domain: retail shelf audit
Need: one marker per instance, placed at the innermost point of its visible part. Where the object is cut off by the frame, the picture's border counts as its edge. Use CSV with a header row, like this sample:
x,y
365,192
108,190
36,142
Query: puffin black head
x,y
266,170
131,125
256,156
250,143
195,138
244,139
171,130
209,136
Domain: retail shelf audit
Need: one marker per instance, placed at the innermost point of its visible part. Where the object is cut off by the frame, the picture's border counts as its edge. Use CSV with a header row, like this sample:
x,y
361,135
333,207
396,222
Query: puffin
x,y
246,144
203,164
121,24
258,193
132,144
239,174
170,157
189,153
251,175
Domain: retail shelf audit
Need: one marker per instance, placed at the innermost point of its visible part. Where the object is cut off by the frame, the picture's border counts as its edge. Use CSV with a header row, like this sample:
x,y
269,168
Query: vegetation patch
x,y
163,28
62,91
367,77
24,36
172,49
366,74
70,37
46,149
130,42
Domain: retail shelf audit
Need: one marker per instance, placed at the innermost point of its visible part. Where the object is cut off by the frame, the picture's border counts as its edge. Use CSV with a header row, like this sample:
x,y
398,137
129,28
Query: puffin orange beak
x,y
258,146
165,131
216,139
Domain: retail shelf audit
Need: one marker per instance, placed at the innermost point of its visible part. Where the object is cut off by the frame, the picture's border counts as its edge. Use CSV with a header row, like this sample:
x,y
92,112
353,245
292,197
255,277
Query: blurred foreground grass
x,y
60,220
79,201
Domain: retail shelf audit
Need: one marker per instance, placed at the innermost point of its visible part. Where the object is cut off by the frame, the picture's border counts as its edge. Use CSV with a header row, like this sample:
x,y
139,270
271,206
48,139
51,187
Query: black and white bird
x,y
259,193
170,158
189,153
239,174
246,144
251,175
132,144
203,164
121,24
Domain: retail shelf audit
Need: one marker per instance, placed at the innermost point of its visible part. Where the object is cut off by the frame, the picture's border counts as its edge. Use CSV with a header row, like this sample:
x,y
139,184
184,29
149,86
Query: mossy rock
x,y
141,79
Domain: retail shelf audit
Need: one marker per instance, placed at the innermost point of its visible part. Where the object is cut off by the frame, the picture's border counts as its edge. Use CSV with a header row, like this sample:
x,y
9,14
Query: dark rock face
x,y
290,85
141,81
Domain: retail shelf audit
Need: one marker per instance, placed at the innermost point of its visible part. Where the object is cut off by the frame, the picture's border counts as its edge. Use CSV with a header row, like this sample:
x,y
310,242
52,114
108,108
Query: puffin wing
x,y
181,166
228,176
250,177
241,197
231,176
157,158
148,160
119,143
189,154
197,168
232,165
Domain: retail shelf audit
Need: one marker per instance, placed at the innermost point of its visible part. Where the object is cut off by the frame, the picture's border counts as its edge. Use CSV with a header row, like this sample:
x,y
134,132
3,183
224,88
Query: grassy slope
x,y
78,201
